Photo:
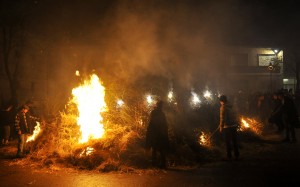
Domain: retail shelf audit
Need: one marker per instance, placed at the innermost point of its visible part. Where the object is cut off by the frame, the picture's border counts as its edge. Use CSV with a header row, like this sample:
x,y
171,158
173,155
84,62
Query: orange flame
x,y
89,98
37,130
251,124
204,139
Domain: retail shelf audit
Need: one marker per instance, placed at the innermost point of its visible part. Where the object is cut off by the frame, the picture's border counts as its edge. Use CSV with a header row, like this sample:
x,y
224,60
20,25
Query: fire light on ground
x,y
250,124
90,102
37,130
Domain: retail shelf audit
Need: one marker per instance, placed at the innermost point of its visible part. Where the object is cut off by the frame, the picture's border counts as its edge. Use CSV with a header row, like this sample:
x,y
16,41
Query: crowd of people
x,y
278,109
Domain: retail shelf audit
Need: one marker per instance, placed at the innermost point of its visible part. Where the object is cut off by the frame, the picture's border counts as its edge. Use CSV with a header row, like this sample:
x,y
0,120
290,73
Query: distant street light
x,y
276,51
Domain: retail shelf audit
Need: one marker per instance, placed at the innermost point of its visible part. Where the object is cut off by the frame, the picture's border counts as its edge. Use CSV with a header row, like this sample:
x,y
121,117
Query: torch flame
x,y
251,124
36,131
245,123
89,98
204,139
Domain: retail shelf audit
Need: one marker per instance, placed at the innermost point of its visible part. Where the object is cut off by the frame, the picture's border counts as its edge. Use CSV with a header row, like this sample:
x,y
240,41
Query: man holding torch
x,y
228,127
22,128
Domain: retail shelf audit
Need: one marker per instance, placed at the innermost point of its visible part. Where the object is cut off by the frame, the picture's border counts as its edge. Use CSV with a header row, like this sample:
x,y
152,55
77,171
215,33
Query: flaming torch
x,y
90,102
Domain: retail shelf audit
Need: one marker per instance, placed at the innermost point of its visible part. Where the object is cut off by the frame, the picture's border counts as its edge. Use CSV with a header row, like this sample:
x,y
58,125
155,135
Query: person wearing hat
x,y
228,127
22,129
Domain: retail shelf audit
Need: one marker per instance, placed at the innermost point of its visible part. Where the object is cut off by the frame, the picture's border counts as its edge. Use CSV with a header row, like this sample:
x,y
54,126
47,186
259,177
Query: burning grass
x,y
121,147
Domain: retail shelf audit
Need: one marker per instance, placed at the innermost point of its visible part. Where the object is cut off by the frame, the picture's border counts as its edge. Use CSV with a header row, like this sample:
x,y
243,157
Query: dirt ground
x,y
267,162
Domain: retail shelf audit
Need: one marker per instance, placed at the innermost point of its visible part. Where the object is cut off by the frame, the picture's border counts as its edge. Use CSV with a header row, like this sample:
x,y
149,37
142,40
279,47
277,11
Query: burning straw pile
x,y
87,136
99,131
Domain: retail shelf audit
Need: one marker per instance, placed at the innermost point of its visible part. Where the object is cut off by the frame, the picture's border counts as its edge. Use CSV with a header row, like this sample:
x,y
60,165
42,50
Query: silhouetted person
x,y
276,114
22,128
7,119
157,135
228,127
289,116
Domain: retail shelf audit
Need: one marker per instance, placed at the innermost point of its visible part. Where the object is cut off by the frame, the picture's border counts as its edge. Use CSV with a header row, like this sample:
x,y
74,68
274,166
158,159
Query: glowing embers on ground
x,y
37,130
251,124
90,102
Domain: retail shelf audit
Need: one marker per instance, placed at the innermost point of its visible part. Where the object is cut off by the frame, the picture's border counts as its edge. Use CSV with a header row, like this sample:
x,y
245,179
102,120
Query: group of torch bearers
x,y
230,122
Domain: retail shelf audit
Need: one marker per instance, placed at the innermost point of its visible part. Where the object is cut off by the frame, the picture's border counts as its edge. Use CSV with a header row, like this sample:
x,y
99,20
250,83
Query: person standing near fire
x,y
7,119
228,127
289,116
157,135
22,128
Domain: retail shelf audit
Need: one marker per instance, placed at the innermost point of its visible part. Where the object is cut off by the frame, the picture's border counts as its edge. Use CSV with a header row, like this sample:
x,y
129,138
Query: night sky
x,y
130,38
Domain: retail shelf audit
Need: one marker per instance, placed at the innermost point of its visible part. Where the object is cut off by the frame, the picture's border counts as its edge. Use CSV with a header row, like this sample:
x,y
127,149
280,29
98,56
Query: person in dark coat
x,y
22,128
228,127
7,119
157,135
289,116
276,115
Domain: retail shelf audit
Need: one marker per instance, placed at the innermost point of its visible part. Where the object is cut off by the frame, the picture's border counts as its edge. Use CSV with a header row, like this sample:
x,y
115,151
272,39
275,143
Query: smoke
x,y
160,39
128,40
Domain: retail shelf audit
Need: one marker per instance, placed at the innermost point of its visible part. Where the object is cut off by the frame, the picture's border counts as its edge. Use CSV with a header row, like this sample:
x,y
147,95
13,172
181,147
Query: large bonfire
x,y
85,135
89,99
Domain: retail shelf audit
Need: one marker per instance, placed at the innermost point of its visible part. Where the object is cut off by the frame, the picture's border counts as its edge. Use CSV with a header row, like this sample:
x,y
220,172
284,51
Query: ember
x,y
90,102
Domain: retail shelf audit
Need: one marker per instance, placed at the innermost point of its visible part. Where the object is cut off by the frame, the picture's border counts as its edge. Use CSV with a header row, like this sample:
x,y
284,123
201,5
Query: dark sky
x,y
131,38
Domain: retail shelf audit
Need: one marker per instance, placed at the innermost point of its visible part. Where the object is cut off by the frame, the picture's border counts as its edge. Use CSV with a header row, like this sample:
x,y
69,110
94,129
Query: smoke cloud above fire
x,y
128,40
